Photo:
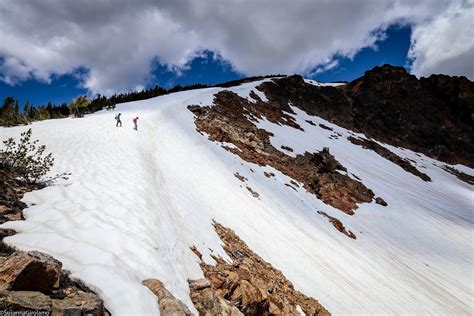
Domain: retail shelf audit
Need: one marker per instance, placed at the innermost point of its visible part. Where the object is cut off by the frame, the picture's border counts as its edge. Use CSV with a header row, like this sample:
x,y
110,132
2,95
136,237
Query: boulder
x,y
78,303
30,271
24,301
380,201
169,305
199,284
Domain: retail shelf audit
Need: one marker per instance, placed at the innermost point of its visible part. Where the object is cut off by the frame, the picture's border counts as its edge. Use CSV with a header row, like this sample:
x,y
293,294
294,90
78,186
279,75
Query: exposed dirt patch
x,y
338,225
387,154
228,121
248,285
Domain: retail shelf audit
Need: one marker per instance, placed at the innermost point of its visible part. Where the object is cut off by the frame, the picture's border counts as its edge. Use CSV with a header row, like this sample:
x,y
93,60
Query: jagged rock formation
x,y
247,286
432,115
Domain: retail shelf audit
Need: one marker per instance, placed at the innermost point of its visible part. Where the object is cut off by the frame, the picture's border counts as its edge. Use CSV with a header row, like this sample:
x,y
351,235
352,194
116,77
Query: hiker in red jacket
x,y
135,121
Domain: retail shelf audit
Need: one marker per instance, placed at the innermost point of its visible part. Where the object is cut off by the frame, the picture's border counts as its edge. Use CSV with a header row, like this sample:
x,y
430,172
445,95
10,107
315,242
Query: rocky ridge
x,y
247,285
433,115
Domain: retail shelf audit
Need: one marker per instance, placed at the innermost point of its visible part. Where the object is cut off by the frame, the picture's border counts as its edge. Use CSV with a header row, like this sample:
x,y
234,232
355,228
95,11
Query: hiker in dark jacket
x,y
117,118
135,121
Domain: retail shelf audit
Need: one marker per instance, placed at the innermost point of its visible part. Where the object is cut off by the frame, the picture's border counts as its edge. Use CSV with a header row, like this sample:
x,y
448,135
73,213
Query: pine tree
x,y
26,108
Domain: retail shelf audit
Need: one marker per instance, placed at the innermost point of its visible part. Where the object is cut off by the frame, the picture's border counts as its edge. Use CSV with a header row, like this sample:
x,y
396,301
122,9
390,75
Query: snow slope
x,y
137,201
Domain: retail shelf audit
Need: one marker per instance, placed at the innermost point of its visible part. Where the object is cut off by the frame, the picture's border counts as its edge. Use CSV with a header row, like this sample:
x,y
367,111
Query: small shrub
x,y
27,161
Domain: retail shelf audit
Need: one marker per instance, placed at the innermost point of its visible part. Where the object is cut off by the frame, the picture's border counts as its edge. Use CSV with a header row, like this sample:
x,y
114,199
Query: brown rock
x,y
5,232
387,154
338,225
459,174
240,177
169,305
24,301
248,285
230,120
30,271
268,174
199,284
380,201
78,303
254,193
196,252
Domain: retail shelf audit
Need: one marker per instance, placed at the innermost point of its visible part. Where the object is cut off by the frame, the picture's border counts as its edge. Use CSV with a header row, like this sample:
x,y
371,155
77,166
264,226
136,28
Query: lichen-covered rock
x,y
169,305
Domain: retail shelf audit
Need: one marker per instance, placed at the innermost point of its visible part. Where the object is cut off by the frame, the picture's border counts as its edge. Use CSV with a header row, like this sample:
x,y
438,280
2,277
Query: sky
x,y
56,50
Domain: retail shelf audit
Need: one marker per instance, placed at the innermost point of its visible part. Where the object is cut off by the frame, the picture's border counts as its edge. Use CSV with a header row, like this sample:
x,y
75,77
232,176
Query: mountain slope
x,y
138,200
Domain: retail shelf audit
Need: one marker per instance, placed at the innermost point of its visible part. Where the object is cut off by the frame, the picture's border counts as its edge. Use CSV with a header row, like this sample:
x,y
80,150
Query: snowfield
x,y
138,200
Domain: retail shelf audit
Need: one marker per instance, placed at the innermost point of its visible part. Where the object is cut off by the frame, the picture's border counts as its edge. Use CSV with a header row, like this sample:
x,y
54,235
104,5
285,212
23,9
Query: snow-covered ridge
x,y
137,201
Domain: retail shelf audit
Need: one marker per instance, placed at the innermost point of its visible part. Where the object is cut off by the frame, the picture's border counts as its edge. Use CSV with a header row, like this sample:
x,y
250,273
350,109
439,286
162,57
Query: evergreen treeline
x,y
11,114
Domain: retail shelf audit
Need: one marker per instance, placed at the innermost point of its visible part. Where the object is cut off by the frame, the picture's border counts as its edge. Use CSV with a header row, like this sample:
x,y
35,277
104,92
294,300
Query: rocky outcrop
x,y
387,154
169,305
78,303
231,120
34,281
30,271
380,201
208,302
338,225
247,285
24,301
460,175
432,115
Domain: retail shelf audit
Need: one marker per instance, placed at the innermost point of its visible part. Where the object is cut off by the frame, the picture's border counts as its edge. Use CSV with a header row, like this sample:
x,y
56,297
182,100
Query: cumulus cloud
x,y
119,41
445,43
